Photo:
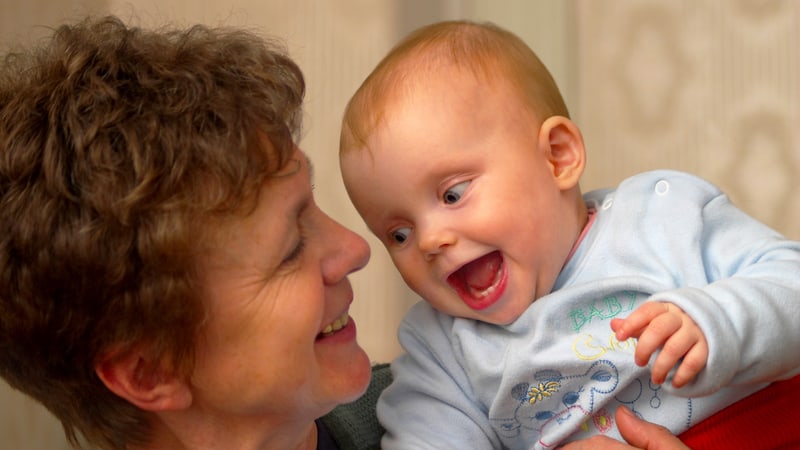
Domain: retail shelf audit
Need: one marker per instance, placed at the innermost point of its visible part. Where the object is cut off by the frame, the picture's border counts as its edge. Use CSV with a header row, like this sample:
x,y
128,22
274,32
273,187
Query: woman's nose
x,y
349,252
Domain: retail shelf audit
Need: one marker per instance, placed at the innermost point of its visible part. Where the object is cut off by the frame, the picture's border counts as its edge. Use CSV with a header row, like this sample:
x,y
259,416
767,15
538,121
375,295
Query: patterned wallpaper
x,y
711,87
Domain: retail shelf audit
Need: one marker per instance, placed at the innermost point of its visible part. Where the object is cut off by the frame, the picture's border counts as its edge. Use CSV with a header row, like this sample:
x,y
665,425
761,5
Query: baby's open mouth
x,y
478,282
335,326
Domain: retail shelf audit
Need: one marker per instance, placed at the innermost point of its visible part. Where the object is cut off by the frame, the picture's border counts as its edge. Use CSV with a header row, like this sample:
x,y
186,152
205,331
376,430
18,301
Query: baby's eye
x,y
400,235
454,194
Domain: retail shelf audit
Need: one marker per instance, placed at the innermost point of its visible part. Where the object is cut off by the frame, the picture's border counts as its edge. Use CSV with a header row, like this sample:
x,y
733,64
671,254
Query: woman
x,y
166,279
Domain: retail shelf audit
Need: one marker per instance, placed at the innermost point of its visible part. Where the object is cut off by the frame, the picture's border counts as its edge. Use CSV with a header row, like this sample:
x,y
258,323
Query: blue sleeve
x,y
430,402
749,310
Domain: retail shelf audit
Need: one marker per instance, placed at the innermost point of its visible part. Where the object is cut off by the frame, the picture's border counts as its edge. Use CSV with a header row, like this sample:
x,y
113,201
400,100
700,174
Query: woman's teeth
x,y
337,325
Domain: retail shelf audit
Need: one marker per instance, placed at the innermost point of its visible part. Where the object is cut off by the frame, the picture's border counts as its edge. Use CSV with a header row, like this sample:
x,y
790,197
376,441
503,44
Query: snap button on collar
x,y
662,187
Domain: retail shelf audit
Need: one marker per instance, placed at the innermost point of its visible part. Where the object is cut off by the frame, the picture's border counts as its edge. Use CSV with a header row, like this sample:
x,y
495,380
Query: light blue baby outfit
x,y
558,373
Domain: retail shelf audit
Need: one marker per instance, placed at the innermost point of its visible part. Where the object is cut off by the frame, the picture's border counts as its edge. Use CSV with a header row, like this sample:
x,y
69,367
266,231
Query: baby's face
x,y
455,185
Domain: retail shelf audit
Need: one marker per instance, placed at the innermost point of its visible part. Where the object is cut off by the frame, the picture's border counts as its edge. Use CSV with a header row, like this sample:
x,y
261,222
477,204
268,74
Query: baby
x,y
546,309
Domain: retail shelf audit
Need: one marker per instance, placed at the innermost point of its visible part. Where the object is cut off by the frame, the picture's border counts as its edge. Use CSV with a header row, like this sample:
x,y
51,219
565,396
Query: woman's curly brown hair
x,y
117,144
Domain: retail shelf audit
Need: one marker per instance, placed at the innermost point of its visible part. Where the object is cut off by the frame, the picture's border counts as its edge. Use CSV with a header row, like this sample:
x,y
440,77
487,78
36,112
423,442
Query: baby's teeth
x,y
487,291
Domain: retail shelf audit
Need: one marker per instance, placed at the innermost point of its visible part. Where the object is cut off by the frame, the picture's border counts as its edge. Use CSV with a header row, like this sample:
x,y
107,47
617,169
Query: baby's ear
x,y
147,386
562,142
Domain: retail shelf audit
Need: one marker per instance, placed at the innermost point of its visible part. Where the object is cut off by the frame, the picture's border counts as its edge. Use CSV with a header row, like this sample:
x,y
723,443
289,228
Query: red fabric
x,y
768,419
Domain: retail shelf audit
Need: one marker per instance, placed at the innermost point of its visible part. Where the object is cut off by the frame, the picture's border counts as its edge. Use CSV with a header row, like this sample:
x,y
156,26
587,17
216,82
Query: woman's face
x,y
274,347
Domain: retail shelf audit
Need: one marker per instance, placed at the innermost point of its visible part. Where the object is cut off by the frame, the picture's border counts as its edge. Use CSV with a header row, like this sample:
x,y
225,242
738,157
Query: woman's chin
x,y
346,368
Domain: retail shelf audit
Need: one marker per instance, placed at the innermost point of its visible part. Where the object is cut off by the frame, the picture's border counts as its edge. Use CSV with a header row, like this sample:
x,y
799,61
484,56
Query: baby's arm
x,y
735,277
665,326
430,403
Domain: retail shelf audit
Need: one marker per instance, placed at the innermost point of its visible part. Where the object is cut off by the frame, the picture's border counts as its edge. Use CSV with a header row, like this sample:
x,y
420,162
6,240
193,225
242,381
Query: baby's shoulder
x,y
665,182
666,185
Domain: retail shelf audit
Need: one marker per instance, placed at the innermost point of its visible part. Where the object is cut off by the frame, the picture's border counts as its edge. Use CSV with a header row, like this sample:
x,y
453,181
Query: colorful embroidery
x,y
558,401
544,390
589,348
603,421
603,309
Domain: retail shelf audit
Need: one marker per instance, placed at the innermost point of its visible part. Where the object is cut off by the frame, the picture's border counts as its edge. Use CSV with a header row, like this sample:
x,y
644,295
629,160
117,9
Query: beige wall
x,y
708,86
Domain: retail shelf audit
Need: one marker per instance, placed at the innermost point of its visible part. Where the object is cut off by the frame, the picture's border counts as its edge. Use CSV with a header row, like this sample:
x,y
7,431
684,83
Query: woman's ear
x,y
562,142
150,387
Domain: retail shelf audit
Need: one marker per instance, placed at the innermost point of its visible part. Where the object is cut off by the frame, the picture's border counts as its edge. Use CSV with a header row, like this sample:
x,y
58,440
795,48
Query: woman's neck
x,y
177,433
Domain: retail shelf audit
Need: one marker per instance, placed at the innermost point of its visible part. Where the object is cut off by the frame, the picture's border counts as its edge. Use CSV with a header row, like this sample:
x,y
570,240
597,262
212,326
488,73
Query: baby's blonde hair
x,y
484,49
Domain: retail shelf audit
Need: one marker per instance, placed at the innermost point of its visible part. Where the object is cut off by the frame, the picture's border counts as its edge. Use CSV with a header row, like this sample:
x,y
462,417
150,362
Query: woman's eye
x,y
454,194
295,253
400,235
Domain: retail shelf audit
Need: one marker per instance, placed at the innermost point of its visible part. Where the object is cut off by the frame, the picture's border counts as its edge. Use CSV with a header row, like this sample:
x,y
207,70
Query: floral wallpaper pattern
x,y
711,87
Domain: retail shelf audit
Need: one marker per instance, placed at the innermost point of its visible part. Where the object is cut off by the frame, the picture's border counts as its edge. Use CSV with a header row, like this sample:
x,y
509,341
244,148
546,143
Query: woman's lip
x,y
346,333
336,324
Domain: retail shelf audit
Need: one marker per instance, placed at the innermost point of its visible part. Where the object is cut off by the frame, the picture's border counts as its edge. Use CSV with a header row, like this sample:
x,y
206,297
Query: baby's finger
x,y
635,323
693,363
655,336
676,347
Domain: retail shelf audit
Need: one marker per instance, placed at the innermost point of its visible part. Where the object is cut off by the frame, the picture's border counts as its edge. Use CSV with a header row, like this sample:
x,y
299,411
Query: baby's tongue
x,y
480,274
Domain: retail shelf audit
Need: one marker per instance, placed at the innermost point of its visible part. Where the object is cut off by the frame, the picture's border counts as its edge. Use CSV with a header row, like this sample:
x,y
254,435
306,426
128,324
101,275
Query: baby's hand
x,y
664,325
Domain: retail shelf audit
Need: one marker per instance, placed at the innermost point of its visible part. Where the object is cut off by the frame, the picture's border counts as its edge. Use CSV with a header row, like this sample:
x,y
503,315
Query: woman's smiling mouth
x,y
335,326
